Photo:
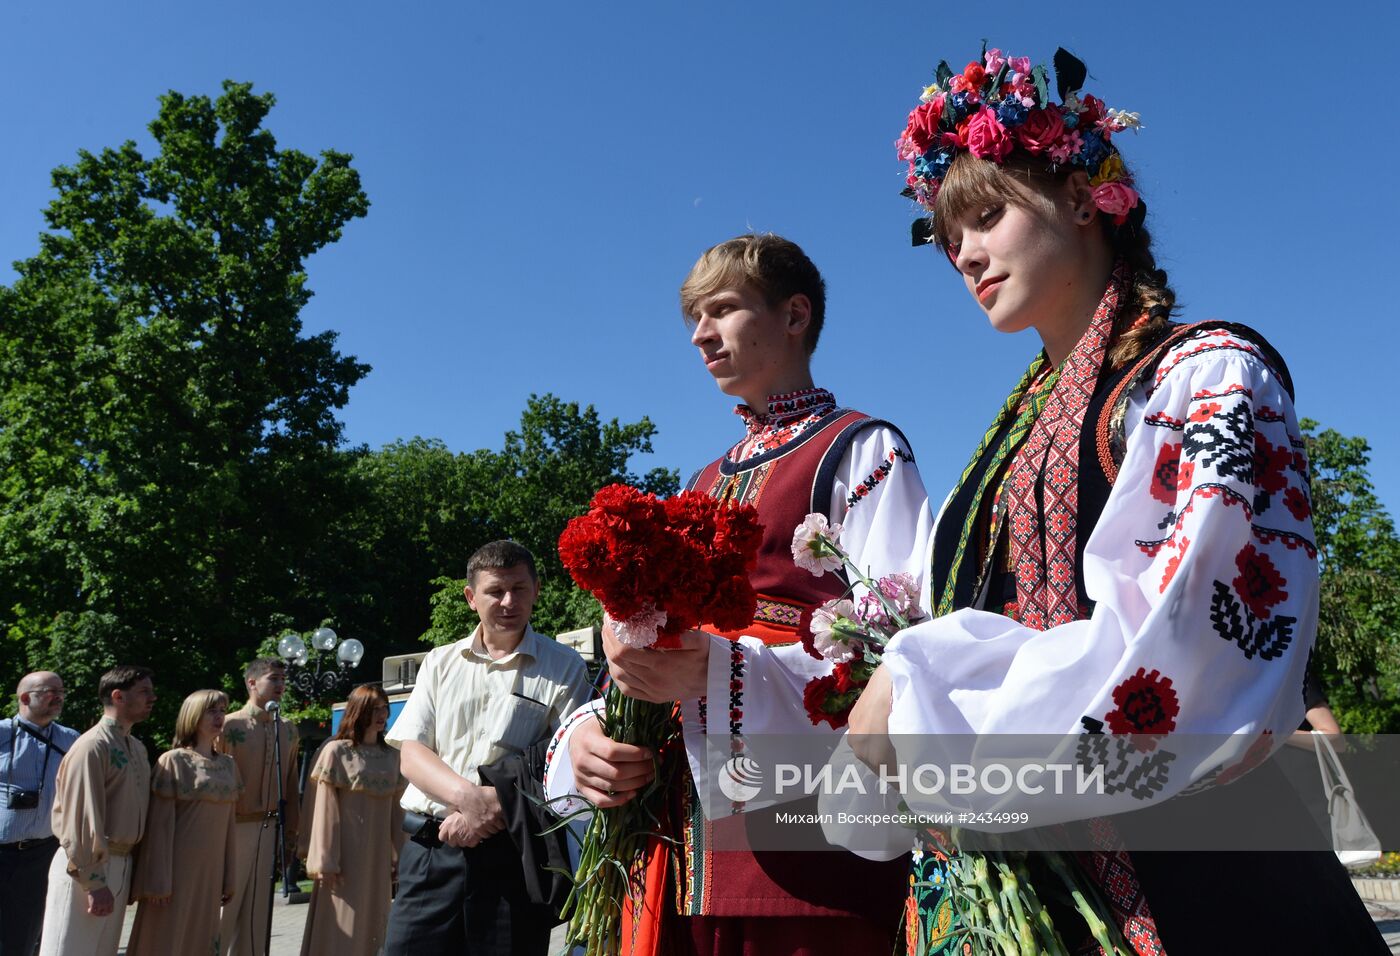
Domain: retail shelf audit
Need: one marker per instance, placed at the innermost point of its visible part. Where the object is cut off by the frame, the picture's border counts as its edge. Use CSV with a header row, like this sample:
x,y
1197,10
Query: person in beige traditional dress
x,y
185,869
352,828
248,738
99,816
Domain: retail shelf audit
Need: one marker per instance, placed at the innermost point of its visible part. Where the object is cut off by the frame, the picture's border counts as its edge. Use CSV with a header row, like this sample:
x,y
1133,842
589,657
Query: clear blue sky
x,y
543,176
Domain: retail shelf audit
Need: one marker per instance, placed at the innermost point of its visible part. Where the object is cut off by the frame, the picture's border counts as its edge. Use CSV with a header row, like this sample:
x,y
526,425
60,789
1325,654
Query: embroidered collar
x,y
789,415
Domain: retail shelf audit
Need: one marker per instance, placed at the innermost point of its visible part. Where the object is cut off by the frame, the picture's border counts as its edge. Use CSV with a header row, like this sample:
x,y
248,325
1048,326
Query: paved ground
x,y
287,922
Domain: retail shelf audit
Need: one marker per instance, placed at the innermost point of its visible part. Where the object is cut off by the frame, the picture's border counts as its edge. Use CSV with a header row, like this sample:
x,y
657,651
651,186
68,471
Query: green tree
x,y
545,474
168,432
1358,641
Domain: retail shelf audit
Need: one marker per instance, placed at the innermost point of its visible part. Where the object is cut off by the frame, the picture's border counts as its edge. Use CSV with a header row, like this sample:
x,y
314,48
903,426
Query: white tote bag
x,y
1353,839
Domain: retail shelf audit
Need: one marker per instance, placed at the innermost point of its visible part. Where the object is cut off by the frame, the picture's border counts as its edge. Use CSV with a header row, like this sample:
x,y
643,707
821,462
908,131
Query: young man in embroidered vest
x,y
99,816
248,737
756,305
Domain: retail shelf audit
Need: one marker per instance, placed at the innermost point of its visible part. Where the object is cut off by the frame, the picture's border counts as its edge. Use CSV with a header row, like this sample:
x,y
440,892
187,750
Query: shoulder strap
x,y
825,478
1109,429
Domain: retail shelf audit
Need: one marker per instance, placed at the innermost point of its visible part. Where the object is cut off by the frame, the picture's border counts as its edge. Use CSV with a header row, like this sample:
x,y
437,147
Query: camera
x,y
22,799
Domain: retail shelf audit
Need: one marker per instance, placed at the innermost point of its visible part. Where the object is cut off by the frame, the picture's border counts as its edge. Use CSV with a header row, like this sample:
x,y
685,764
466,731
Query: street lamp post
x,y
313,681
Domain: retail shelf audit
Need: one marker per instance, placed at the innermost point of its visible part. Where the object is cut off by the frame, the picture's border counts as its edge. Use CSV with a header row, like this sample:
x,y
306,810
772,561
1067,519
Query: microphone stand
x,y
283,865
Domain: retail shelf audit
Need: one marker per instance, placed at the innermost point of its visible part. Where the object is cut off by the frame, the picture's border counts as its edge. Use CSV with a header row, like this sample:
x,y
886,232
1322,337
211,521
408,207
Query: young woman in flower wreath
x,y
1130,548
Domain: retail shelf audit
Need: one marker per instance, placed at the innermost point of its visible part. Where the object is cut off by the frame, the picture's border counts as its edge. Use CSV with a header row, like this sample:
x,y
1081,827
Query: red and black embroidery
x,y
790,415
1297,503
1222,439
1173,563
736,691
1245,615
1213,341
1140,771
881,472
1170,474
1147,704
1259,583
737,665
1271,466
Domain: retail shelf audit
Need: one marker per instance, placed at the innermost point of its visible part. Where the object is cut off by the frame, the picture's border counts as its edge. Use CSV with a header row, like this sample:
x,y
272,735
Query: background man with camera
x,y
31,746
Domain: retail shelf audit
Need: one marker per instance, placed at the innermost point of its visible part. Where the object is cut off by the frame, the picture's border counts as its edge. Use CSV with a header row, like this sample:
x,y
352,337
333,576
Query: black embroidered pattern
x,y
1206,490
881,472
1223,441
1234,621
736,707
736,690
1125,767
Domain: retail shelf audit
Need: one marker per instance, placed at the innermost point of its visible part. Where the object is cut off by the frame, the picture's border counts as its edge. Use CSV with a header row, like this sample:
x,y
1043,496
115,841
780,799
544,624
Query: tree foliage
x,y
167,430
544,475
1358,641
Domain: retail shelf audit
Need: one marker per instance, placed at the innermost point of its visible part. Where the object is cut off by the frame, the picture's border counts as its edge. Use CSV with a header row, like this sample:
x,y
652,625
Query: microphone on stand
x,y
282,862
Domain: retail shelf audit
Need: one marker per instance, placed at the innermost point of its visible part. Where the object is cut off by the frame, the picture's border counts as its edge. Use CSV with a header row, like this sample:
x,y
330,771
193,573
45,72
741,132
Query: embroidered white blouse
x,y
1203,570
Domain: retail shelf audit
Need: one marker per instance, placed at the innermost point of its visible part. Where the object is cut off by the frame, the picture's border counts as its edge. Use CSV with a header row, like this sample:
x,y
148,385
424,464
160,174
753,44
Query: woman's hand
x,y
869,727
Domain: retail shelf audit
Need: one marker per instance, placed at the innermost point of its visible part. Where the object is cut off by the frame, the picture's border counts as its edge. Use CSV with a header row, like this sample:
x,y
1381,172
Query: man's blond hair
x,y
776,267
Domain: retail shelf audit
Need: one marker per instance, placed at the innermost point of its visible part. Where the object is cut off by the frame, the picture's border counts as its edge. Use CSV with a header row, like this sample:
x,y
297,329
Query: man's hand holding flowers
x,y
659,676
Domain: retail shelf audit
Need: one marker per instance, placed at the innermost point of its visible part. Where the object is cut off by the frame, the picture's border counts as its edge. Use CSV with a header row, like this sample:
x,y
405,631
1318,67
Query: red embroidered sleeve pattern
x,y
1235,455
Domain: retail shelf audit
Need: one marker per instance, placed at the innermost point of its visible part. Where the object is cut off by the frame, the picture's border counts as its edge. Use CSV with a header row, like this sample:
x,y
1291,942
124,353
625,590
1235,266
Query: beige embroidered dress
x,y
187,854
352,826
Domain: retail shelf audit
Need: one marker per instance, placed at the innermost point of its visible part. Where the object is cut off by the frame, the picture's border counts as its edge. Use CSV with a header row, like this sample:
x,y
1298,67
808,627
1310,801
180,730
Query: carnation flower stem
x,y
617,837
870,585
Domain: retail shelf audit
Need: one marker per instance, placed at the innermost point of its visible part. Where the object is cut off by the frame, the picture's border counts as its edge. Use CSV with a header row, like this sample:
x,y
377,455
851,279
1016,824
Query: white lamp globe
x,y
323,639
290,647
350,652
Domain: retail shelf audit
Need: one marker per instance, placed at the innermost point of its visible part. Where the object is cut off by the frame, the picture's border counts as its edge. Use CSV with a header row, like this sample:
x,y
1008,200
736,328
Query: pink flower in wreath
x,y
1020,64
1116,199
987,138
995,61
1066,146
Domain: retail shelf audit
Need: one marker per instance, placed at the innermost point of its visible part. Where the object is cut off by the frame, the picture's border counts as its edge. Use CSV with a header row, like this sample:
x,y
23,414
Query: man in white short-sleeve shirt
x,y
490,695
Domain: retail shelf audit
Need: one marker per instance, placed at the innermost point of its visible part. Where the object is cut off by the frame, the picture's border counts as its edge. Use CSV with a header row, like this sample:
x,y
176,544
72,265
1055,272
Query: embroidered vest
x,y
785,485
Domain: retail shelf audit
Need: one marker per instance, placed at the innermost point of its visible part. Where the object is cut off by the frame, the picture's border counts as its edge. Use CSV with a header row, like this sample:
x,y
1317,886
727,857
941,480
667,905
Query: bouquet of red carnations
x,y
659,568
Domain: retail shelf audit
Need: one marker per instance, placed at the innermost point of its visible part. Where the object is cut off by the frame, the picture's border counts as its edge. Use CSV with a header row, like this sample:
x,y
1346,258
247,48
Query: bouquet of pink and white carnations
x,y
849,632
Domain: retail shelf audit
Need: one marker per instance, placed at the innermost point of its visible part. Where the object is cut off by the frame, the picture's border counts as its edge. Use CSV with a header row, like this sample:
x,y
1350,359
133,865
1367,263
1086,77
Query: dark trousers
x,y
455,901
24,880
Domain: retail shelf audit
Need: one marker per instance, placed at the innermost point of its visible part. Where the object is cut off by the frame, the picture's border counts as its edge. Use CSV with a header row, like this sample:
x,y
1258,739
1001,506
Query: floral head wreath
x,y
1002,104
